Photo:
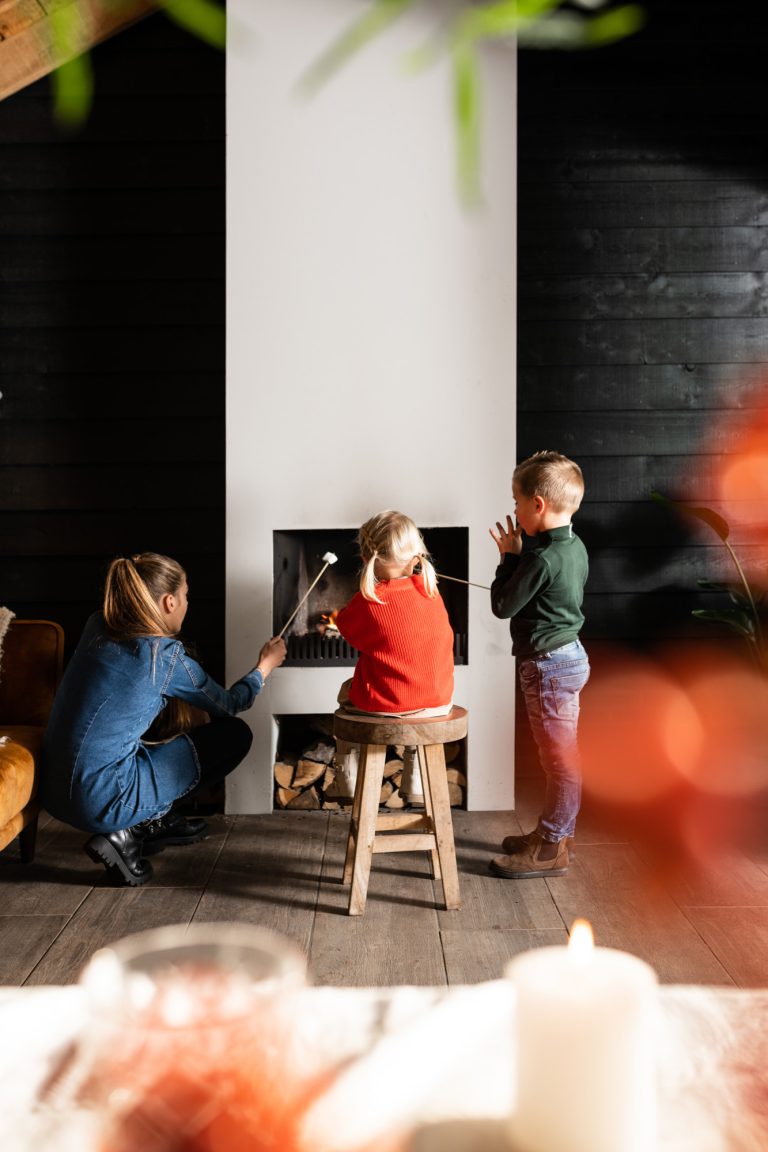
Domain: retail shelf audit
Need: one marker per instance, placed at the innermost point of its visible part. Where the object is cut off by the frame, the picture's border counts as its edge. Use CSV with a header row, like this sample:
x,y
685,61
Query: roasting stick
x,y
458,580
330,558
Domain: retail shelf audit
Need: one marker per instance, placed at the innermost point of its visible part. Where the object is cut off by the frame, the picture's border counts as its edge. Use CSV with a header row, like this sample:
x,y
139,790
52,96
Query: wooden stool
x,y
431,830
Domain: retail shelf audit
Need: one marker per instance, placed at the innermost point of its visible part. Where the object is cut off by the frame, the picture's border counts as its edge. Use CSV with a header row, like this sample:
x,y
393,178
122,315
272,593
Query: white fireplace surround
x,y
370,340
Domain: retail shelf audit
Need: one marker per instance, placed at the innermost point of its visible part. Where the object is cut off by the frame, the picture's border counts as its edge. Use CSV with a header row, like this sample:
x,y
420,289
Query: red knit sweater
x,y
405,646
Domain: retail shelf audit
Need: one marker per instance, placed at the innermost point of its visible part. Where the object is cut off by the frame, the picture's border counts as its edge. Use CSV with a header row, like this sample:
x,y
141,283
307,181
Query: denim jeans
x,y
551,683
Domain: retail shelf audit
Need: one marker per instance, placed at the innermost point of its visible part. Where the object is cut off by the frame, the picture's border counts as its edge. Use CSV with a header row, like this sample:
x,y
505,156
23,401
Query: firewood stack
x,y
308,779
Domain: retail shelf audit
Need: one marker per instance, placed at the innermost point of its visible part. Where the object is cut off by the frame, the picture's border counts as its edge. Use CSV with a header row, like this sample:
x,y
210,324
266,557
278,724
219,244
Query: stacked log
x,y
299,780
309,780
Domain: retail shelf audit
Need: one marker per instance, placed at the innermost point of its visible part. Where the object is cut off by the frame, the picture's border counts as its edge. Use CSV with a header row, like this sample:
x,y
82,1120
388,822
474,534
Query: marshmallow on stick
x,y
329,558
458,580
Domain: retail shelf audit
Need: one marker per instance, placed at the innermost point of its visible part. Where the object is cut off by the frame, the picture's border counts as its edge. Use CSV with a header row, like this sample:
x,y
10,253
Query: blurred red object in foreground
x,y
674,750
194,1042
182,1077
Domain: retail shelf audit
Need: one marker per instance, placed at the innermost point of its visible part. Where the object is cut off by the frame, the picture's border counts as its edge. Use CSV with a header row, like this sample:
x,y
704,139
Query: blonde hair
x,y
393,538
552,476
133,587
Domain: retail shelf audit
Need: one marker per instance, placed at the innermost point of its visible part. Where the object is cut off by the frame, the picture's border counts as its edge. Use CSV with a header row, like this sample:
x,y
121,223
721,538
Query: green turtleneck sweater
x,y
541,592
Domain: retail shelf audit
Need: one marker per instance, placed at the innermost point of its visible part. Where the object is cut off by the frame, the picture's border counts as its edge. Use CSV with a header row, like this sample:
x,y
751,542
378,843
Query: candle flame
x,y
582,940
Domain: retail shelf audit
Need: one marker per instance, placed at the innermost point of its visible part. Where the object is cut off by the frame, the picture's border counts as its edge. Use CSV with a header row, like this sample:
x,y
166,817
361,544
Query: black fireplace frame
x,y
298,559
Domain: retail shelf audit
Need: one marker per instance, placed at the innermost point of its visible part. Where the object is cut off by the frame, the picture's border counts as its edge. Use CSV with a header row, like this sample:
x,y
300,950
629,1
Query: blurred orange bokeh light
x,y
744,476
647,727
639,731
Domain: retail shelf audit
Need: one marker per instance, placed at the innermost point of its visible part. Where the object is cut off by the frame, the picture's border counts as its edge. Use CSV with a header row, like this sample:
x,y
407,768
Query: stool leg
x,y
443,822
372,759
430,812
355,816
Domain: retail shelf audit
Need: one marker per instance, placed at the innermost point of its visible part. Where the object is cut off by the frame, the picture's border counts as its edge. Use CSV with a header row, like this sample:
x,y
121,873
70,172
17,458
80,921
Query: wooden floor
x,y
707,926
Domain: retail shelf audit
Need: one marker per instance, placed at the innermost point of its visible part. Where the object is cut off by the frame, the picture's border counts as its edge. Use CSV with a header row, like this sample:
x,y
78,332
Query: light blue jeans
x,y
551,683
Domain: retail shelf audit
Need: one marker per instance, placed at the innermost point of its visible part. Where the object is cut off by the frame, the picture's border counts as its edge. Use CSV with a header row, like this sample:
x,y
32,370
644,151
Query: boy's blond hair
x,y
393,538
552,476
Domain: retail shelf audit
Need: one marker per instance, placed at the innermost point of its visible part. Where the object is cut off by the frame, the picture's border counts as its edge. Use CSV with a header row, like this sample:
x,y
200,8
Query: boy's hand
x,y
509,540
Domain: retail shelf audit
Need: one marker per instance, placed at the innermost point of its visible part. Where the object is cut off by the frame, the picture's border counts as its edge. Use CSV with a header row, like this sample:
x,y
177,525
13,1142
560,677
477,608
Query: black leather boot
x,y
173,828
121,853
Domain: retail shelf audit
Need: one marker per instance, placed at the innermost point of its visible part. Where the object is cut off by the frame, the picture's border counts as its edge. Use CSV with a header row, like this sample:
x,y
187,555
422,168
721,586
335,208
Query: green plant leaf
x,y
741,622
714,586
617,24
713,519
372,22
203,18
557,30
73,79
575,30
466,95
73,91
729,589
502,19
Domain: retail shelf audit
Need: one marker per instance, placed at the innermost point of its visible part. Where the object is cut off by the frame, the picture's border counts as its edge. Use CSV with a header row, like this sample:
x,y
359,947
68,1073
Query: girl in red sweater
x,y
399,625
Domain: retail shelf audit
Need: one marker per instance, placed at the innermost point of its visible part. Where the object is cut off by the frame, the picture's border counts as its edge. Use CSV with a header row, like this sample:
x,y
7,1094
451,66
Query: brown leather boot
x,y
537,858
512,844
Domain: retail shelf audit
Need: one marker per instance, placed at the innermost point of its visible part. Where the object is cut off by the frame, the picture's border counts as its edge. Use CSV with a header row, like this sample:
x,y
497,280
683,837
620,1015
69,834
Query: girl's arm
x,y
356,624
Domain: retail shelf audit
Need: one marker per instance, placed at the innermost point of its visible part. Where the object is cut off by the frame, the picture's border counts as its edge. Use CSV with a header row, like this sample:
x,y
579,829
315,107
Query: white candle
x,y
585,1031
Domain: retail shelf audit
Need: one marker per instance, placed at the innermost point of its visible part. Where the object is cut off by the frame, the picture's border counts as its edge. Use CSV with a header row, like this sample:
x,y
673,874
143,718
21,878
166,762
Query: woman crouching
x,y
100,771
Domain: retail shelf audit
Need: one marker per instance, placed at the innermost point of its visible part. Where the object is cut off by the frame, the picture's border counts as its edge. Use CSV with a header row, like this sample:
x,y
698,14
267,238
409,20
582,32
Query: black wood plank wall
x,y
643,280
112,322
643,203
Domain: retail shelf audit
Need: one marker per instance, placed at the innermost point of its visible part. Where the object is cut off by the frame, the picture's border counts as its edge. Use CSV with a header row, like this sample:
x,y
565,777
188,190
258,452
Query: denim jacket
x,y
96,773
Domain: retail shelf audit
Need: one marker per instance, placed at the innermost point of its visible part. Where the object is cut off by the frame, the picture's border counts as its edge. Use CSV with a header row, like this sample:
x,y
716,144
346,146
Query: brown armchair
x,y
33,656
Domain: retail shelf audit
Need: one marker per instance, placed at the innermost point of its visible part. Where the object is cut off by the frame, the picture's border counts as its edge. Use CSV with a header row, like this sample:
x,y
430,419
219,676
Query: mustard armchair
x,y
33,658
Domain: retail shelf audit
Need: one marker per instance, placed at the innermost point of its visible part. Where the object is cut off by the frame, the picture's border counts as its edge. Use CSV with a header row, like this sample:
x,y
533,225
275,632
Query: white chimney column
x,y
370,339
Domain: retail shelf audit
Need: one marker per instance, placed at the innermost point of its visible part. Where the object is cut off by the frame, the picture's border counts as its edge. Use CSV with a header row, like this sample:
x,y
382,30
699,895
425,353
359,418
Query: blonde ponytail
x,y
132,590
368,579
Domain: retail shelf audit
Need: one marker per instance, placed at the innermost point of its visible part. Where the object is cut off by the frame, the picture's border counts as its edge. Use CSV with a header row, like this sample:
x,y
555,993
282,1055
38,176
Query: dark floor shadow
x,y
405,901
19,873
256,896
481,845
407,873
332,909
478,867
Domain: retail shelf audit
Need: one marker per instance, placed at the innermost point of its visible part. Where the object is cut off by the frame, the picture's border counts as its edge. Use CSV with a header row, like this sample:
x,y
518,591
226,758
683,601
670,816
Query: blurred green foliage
x,y
742,612
460,34
462,30
73,89
73,81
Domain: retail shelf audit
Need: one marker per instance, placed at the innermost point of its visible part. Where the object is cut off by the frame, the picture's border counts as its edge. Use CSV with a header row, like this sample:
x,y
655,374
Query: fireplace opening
x,y
298,560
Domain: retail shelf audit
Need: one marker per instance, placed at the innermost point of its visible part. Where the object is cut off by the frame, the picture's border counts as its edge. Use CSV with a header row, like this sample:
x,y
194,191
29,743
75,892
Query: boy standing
x,y
541,592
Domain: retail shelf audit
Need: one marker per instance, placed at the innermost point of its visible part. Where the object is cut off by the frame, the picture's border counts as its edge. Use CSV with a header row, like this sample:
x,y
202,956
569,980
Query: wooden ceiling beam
x,y
30,46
